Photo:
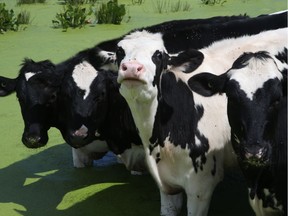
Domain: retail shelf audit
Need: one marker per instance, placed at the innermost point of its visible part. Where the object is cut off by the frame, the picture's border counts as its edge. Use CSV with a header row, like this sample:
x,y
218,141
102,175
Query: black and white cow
x,y
184,134
257,111
91,107
37,87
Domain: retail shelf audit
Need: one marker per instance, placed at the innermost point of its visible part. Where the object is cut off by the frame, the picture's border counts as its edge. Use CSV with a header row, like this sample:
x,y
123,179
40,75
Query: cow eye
x,y
159,55
3,84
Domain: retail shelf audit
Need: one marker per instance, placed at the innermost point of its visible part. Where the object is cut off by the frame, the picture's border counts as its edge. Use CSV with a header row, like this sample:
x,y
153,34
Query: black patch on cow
x,y
120,54
190,60
202,34
282,56
213,171
160,59
177,118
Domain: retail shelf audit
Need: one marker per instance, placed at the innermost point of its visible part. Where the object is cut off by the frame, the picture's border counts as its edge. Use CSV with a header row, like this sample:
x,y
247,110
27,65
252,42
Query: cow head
x,y
36,89
84,104
142,58
254,85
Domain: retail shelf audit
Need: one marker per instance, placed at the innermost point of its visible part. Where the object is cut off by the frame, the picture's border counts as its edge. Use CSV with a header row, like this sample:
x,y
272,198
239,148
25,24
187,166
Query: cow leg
x,y
170,204
134,159
81,159
197,206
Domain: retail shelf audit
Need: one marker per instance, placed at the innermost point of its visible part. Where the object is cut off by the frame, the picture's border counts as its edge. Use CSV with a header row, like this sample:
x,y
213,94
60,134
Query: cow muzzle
x,y
79,138
34,141
132,72
256,157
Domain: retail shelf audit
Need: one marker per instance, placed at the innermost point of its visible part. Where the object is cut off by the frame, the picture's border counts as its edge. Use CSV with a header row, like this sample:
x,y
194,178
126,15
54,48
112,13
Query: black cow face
x,y
84,104
253,86
36,90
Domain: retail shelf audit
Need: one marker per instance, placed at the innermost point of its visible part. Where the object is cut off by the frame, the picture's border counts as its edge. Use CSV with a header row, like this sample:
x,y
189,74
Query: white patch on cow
x,y
82,156
83,75
257,206
134,159
28,75
253,76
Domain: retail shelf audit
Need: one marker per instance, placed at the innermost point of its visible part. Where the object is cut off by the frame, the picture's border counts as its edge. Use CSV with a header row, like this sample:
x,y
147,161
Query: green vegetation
x,y
20,2
74,2
9,21
213,2
164,6
23,18
73,16
110,12
139,2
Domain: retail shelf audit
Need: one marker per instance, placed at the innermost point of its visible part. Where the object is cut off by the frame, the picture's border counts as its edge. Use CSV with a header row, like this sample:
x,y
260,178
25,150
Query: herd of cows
x,y
183,99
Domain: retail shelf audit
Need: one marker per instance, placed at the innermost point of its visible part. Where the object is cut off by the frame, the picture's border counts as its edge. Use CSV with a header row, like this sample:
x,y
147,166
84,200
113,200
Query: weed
x,y
73,16
139,2
164,6
19,2
213,2
110,12
75,2
23,18
8,20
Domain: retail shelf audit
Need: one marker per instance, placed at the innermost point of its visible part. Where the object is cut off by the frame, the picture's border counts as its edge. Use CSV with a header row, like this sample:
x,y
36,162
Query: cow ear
x,y
7,86
207,84
186,61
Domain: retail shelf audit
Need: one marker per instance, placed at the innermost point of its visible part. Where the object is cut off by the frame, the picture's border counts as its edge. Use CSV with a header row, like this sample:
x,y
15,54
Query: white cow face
x,y
141,57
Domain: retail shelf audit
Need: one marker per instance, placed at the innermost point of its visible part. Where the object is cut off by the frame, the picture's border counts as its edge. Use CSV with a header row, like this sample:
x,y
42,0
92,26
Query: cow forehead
x,y
254,75
28,75
83,75
142,42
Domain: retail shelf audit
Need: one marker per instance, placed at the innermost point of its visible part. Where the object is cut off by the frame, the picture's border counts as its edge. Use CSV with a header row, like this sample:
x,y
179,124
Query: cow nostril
x,y
139,68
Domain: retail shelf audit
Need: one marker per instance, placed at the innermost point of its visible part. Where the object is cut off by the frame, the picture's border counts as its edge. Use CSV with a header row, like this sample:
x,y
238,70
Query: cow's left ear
x,y
7,86
207,84
186,61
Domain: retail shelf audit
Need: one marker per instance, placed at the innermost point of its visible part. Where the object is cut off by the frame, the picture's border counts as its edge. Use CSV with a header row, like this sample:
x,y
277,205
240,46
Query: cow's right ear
x,y
7,86
207,84
186,61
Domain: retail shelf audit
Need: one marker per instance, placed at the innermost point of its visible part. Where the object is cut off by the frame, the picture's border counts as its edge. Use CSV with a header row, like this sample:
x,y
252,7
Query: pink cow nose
x,y
132,67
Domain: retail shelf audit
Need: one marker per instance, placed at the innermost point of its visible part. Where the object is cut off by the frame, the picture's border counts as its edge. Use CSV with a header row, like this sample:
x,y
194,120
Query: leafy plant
x,y
19,2
139,2
23,17
73,16
74,2
110,12
164,6
8,20
213,2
